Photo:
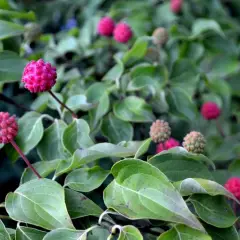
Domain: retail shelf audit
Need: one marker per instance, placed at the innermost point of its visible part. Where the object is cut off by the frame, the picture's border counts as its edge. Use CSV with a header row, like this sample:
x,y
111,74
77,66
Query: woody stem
x,y
62,104
25,159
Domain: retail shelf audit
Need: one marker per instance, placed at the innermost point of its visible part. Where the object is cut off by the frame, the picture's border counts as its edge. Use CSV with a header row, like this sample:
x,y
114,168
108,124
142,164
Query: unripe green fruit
x,y
160,131
160,36
194,142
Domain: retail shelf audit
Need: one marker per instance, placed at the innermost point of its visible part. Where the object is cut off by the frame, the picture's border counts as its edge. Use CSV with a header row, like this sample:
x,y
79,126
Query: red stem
x,y
25,159
62,104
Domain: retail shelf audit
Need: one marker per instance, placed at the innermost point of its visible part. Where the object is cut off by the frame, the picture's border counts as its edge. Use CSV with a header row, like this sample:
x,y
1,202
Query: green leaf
x,y
116,130
191,186
143,148
213,210
26,233
137,52
78,205
10,29
181,232
86,179
76,136
179,165
64,234
129,233
11,66
201,26
142,191
79,102
51,147
133,109
12,233
43,168
29,204
222,233
4,235
29,135
180,104
20,15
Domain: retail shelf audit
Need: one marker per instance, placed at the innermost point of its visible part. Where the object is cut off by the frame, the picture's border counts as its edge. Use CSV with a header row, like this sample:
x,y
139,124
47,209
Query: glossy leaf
x,y
213,210
4,235
222,233
130,233
143,148
181,232
10,29
26,233
64,233
86,179
78,205
133,109
116,130
29,204
142,191
76,136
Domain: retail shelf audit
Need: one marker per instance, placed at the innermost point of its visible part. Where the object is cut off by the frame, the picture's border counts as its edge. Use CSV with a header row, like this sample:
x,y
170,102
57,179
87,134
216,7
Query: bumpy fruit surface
x,y
170,143
210,110
8,127
194,142
176,5
233,186
160,36
160,131
39,76
105,26
122,32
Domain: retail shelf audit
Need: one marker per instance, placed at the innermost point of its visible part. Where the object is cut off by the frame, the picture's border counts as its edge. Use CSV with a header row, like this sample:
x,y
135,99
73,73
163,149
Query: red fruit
x,y
8,127
105,26
122,32
233,186
39,76
176,5
210,110
170,143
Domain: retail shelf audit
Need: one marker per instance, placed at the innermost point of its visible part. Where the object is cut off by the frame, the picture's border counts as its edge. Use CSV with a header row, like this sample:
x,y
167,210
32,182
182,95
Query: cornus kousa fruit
x,y
122,32
210,110
39,76
160,36
194,142
8,127
105,26
160,131
233,186
176,5
170,143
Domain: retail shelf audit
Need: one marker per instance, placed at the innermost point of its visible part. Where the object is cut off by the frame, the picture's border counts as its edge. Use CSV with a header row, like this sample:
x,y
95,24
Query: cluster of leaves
x,y
104,160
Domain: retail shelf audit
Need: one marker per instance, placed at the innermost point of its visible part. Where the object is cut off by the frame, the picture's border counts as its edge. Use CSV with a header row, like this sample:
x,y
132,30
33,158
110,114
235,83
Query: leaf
x,y
79,102
181,232
4,235
76,136
191,186
98,234
222,233
51,147
11,66
213,210
78,205
26,233
180,104
29,204
203,25
86,179
142,191
20,15
10,29
64,234
133,109
143,148
43,168
29,135
116,130
130,233
179,165
137,52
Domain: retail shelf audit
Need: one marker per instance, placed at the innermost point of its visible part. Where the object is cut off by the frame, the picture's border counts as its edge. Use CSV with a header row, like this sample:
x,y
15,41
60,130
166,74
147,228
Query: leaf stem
x,y
4,217
62,104
2,205
25,159
219,128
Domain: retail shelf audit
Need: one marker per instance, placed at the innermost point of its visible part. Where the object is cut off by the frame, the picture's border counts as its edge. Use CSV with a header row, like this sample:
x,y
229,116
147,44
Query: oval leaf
x,y
26,233
130,233
4,235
